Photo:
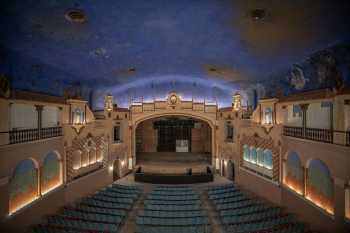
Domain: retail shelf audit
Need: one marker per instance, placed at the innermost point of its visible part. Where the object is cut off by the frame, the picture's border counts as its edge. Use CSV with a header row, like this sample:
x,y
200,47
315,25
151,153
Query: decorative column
x,y
39,109
304,108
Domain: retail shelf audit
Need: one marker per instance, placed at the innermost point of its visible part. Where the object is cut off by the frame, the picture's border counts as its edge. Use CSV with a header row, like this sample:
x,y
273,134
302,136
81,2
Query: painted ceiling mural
x,y
202,49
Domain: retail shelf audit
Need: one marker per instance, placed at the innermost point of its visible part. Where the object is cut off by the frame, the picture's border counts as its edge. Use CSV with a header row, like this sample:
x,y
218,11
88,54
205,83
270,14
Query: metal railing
x,y
27,135
23,135
50,132
292,131
321,135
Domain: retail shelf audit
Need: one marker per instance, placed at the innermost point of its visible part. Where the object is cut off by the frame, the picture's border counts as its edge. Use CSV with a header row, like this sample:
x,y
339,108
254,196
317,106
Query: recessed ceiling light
x,y
258,14
75,15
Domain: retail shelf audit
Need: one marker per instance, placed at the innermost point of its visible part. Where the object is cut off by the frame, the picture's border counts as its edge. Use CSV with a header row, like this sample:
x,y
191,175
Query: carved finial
x,y
236,102
109,103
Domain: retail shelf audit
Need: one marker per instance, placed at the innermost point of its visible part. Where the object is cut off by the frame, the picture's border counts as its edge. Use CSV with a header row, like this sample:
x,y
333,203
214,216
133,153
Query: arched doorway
x,y
173,138
223,168
116,170
231,170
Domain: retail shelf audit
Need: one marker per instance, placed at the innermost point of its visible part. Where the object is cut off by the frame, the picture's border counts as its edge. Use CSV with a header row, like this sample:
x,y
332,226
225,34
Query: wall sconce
x,y
122,163
110,168
78,120
225,163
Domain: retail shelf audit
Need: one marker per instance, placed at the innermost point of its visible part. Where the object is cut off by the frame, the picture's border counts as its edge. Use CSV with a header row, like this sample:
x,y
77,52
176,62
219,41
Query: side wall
x,y
37,211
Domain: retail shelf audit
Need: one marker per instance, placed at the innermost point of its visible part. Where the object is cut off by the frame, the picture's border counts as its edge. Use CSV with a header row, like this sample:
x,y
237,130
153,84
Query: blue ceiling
x,y
199,48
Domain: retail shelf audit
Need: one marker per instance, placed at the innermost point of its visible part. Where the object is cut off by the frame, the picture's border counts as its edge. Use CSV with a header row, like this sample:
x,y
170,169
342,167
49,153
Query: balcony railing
x,y
291,131
27,135
23,135
51,132
321,135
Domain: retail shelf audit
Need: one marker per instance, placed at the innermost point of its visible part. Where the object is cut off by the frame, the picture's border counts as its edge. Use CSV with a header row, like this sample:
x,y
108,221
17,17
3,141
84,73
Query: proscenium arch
x,y
135,123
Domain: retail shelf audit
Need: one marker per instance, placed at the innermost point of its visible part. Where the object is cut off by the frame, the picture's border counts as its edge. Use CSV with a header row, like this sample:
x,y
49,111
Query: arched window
x,y
76,160
78,116
253,155
268,159
51,172
268,115
260,157
24,187
319,186
294,173
246,153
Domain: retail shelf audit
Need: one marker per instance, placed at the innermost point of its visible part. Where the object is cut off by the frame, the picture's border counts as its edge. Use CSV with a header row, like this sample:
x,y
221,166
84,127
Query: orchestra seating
x,y
105,211
172,210
239,213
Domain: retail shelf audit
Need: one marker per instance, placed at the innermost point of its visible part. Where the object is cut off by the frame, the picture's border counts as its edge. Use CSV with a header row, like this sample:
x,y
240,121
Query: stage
x,y
173,162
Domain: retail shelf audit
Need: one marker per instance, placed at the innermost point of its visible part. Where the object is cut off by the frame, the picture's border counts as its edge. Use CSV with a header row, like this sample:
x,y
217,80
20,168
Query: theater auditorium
x,y
174,116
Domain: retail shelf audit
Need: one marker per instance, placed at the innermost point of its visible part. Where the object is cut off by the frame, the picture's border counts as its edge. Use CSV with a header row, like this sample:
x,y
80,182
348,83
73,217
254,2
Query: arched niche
x,y
85,158
51,172
92,156
294,176
24,185
100,151
320,185
76,159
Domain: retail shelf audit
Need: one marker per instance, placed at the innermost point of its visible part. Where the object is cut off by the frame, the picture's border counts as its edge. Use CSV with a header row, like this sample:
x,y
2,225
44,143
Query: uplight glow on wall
x,y
130,163
217,164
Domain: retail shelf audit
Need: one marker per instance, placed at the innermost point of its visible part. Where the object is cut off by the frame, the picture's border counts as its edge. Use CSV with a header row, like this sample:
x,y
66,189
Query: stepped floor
x,y
130,224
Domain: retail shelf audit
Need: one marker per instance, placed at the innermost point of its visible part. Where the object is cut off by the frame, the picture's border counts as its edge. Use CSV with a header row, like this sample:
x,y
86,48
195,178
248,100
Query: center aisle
x,y
212,214
173,209
130,223
143,207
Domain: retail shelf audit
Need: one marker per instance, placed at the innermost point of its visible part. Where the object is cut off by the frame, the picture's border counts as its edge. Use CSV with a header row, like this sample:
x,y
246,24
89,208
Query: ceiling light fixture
x,y
258,14
75,16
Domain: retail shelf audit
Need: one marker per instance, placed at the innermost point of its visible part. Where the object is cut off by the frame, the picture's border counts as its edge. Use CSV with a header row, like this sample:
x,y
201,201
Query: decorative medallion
x,y
173,99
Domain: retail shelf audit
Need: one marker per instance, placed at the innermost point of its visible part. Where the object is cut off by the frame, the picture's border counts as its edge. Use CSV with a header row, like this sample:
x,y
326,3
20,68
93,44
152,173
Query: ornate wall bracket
x,y
78,128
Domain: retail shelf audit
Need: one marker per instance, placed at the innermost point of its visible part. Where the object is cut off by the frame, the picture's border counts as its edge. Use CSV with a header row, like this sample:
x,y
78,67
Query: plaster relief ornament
x,y
327,71
173,99
4,85
297,79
